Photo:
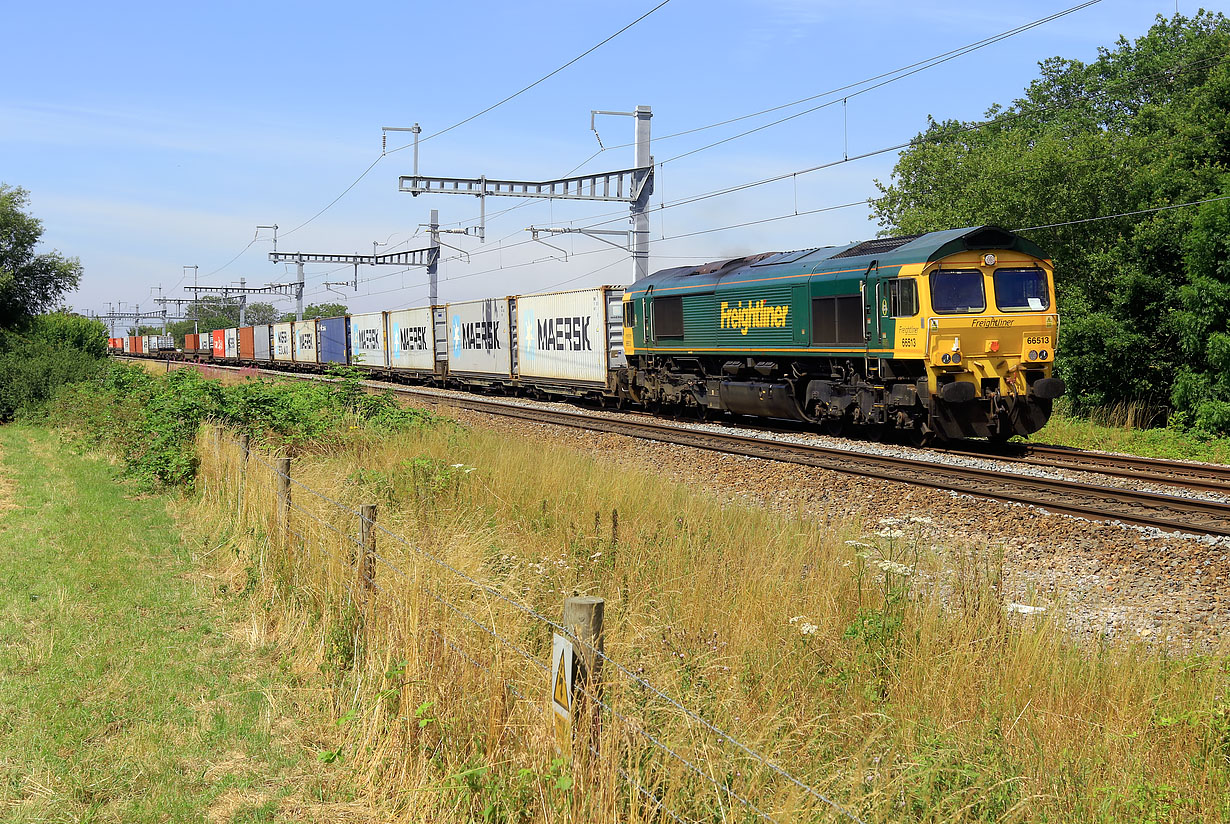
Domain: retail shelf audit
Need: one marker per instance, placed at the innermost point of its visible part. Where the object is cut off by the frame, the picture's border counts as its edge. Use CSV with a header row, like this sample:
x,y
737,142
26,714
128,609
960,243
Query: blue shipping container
x,y
334,334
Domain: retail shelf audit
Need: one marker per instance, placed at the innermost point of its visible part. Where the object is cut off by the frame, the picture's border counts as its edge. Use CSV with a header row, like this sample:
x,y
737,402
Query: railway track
x,y
1200,477
1170,513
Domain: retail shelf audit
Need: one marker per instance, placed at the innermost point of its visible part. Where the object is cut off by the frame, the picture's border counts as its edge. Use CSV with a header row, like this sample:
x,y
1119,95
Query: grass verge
x,y
125,692
879,670
1118,431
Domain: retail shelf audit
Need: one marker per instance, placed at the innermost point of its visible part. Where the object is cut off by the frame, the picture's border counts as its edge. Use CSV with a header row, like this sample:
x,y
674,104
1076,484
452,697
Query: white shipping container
x,y
161,342
565,336
127,344
145,344
232,343
411,339
260,342
480,341
305,342
283,350
367,340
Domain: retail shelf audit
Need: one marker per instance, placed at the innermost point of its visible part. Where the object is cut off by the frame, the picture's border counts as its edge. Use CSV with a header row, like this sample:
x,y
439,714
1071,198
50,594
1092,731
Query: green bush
x,y
151,420
32,370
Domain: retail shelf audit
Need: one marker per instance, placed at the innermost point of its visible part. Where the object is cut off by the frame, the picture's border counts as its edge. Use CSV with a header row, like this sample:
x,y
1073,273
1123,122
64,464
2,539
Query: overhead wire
x,y
542,79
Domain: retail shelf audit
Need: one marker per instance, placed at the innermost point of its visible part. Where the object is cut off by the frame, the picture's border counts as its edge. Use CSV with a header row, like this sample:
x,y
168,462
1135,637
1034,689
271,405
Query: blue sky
x,y
153,136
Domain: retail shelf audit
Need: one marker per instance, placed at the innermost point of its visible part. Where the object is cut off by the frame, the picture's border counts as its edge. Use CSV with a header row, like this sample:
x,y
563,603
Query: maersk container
x,y
306,342
367,340
411,339
480,340
334,347
232,342
217,341
261,349
247,343
283,342
571,337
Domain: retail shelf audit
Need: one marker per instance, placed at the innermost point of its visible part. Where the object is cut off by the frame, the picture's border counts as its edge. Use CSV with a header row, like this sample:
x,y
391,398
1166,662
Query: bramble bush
x,y
151,420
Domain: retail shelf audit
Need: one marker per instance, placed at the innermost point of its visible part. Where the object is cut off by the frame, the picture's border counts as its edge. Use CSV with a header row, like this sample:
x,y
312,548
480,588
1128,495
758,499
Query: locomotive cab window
x,y
630,313
957,291
902,298
668,317
1021,290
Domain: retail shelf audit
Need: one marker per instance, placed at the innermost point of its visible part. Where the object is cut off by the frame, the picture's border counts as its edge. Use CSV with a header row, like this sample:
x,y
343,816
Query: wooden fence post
x,y
244,444
583,618
283,466
366,565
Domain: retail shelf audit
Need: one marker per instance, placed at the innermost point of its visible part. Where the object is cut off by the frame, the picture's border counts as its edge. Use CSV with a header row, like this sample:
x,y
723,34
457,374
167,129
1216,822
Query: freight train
x,y
939,336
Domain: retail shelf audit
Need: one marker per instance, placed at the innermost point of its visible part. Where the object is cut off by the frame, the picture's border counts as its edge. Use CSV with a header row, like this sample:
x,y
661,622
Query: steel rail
x,y
1170,513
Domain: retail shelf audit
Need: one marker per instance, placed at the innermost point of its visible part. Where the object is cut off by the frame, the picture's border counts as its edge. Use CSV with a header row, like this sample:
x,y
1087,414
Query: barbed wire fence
x,y
316,560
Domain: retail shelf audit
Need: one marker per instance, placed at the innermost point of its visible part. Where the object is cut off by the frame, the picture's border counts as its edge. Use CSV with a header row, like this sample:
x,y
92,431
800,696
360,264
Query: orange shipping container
x,y
191,342
134,344
247,343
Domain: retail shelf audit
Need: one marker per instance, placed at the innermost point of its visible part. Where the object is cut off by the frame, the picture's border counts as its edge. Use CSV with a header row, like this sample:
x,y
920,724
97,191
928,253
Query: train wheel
x,y
834,427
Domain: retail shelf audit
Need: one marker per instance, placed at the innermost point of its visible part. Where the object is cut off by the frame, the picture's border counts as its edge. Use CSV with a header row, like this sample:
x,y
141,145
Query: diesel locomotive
x,y
943,335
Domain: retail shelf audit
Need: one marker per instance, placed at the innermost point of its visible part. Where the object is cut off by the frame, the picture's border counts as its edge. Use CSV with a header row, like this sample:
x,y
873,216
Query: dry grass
x,y
853,661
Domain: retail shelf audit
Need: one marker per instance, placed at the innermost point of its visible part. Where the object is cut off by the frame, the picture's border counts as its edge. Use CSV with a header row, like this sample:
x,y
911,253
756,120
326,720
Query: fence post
x,y
367,552
244,444
283,466
583,618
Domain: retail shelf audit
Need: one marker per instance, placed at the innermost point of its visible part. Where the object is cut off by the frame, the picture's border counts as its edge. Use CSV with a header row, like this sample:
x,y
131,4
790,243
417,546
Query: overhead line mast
x,y
632,186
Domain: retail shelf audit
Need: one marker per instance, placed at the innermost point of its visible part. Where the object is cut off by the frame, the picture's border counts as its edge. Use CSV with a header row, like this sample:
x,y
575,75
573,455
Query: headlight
x,y
945,358
1042,355
1033,354
956,357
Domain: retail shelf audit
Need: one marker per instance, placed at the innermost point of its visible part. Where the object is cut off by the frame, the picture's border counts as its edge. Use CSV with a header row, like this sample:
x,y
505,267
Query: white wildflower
x,y
890,533
595,556
889,521
920,519
456,466
895,568
859,543
797,618
808,629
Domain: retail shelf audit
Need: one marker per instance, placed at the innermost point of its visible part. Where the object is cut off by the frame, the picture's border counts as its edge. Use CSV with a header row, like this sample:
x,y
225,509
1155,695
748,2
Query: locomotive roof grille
x,y
876,247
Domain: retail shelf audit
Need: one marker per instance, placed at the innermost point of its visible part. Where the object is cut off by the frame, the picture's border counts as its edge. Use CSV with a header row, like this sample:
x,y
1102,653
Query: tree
x,y
1147,124
319,310
258,313
29,283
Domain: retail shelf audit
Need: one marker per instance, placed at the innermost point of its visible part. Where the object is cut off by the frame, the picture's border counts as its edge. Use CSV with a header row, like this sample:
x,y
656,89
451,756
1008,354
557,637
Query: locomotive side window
x,y
630,314
902,298
668,317
1021,290
837,320
957,291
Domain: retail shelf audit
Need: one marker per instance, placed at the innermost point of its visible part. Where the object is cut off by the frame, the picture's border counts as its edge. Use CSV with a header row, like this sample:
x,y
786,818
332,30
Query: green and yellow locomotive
x,y
948,334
